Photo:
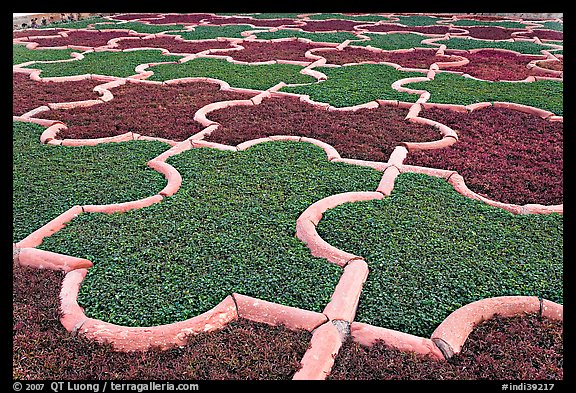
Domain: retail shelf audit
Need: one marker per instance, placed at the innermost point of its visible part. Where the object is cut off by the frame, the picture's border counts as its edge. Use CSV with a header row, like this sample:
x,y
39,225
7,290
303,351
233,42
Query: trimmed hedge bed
x,y
505,155
394,41
48,180
44,93
35,32
170,43
357,18
524,47
141,27
356,84
431,250
490,32
448,88
386,27
164,111
121,64
522,348
419,58
81,37
220,20
20,54
230,228
257,77
43,349
504,24
265,51
367,134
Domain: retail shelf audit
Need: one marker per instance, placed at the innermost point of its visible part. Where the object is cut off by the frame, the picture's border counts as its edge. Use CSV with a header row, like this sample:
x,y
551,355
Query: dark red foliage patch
x,y
503,154
367,134
264,51
330,25
495,65
386,27
164,111
419,58
43,349
490,32
222,20
514,348
170,43
28,94
83,38
35,32
544,34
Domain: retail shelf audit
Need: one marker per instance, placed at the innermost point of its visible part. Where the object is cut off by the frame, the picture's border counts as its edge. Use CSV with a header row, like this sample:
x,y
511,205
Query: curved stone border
x,y
451,334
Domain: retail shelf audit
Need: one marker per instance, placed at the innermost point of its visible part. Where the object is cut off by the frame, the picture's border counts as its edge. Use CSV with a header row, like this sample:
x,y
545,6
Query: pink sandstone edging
x,y
366,335
41,259
386,184
42,122
451,334
35,238
124,206
262,311
172,176
319,358
345,298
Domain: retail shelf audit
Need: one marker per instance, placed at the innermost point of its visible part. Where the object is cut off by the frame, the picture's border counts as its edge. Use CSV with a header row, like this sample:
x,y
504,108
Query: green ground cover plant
x,y
48,179
394,41
356,84
551,25
140,27
259,76
418,20
524,47
359,18
20,54
338,37
271,15
79,24
121,64
230,228
431,250
450,88
212,32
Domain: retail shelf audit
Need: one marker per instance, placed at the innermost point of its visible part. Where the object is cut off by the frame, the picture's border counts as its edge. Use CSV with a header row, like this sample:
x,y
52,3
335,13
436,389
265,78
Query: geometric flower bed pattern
x,y
288,196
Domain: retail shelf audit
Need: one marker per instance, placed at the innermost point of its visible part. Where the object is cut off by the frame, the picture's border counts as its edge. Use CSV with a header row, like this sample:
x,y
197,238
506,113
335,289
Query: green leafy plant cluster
x,y
359,18
230,228
338,37
356,84
20,54
450,88
525,47
121,64
394,41
258,76
272,15
418,20
431,250
48,179
213,32
551,25
140,27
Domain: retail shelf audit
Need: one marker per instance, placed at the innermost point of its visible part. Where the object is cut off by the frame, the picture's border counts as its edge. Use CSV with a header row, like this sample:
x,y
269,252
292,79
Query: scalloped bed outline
x,y
330,327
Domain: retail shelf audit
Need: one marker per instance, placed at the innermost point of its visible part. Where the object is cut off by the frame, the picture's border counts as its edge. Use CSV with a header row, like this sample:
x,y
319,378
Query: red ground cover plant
x,y
331,25
264,51
28,94
35,32
386,27
164,111
43,349
514,348
221,20
419,58
497,65
82,37
490,32
544,34
170,43
368,134
503,154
